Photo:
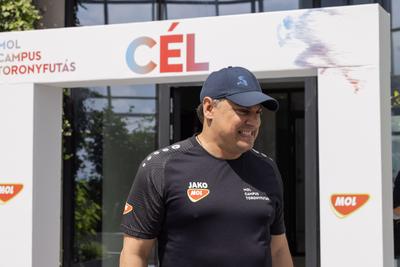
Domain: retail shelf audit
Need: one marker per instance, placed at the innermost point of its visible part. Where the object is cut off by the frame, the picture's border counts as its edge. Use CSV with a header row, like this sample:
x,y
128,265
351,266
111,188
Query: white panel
x,y
16,143
350,156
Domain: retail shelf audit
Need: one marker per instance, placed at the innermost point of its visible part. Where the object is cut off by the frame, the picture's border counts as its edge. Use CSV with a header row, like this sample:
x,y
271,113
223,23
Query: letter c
x,y
130,55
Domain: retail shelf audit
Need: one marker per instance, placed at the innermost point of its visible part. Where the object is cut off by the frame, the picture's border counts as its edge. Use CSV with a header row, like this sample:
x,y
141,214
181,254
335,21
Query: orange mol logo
x,y
128,208
8,191
345,204
197,191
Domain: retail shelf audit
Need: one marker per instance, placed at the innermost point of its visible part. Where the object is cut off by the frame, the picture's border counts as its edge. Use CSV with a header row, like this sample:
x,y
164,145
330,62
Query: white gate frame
x,y
347,48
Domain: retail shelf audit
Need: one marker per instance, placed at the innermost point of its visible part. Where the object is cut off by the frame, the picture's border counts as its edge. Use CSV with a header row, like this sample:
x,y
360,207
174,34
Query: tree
x,y
17,15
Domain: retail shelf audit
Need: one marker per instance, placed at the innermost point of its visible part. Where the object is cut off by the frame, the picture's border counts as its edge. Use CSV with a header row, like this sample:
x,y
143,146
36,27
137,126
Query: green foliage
x,y
90,250
17,15
87,216
66,126
395,98
87,212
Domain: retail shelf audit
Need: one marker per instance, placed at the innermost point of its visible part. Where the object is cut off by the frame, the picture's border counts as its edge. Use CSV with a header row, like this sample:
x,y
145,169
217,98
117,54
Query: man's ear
x,y
208,108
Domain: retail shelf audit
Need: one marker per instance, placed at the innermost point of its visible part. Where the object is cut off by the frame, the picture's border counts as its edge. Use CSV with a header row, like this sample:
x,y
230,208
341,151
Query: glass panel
x,y
146,90
299,132
230,9
396,144
121,105
266,140
396,124
123,99
132,12
396,162
297,99
134,90
358,2
326,3
90,14
275,5
396,52
175,11
395,13
109,147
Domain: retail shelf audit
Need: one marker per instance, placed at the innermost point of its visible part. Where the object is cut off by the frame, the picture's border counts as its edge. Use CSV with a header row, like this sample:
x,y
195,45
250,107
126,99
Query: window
x,y
115,128
396,52
276,5
132,12
90,14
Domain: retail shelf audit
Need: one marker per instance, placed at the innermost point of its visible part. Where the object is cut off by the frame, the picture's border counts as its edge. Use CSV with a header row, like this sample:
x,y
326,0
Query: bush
x,y
17,15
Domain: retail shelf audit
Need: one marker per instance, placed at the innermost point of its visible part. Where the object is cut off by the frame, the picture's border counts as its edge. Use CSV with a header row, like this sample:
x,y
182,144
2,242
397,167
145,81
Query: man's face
x,y
236,127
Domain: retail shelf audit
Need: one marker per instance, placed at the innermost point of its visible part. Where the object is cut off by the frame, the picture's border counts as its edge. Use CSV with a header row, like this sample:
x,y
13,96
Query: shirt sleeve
x,y
144,210
278,225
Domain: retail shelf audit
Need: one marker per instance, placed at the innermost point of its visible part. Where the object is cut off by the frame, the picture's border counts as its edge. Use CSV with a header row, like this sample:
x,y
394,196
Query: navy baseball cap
x,y
238,85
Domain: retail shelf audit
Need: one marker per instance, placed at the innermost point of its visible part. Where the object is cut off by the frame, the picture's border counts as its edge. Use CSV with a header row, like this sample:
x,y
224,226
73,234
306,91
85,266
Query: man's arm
x,y
280,251
135,251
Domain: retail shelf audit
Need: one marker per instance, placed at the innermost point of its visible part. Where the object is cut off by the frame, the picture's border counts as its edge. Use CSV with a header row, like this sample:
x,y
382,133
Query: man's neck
x,y
210,144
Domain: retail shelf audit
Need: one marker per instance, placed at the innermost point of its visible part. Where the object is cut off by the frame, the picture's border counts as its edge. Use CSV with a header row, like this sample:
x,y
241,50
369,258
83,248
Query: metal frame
x,y
311,173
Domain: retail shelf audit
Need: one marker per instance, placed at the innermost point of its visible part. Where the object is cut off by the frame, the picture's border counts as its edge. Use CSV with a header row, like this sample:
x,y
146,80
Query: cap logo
x,y
242,81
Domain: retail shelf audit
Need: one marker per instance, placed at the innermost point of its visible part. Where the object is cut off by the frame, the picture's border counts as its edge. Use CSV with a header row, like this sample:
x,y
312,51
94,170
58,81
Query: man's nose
x,y
253,119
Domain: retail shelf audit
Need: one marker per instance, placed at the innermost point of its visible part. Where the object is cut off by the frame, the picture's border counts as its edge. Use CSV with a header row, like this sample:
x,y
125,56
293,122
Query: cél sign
x,y
8,191
166,53
345,204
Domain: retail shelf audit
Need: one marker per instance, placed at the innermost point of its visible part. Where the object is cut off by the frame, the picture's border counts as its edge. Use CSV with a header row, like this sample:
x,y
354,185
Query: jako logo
x,y
197,191
8,191
165,53
345,204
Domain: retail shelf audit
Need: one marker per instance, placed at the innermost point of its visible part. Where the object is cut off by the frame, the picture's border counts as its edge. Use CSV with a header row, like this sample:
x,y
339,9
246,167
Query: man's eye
x,y
242,111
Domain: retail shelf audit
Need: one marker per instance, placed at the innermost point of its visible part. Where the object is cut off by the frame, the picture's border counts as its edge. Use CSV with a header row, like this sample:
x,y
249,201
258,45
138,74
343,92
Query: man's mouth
x,y
247,133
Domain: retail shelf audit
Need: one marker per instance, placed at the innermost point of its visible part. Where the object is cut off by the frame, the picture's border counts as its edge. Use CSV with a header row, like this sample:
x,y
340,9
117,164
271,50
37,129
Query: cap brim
x,y
248,99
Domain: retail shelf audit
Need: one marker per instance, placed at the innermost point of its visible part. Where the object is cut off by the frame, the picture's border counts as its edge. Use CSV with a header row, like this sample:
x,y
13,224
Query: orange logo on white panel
x,y
346,204
9,191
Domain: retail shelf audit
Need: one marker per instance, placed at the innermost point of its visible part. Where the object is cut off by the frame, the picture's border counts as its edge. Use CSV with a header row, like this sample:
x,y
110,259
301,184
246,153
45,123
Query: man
x,y
211,200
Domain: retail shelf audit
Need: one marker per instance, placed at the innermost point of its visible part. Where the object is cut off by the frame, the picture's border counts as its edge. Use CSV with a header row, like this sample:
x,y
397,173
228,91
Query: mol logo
x,y
197,191
345,204
128,208
166,53
8,191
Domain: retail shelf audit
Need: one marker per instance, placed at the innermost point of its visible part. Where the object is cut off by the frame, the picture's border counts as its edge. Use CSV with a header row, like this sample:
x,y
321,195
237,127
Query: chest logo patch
x,y
197,191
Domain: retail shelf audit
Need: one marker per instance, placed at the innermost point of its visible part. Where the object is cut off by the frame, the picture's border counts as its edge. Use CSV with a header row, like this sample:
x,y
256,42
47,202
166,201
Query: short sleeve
x,y
278,225
144,209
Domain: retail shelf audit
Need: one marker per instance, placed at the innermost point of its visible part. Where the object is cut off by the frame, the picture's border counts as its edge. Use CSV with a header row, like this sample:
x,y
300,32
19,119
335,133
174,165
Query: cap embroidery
x,y
242,81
